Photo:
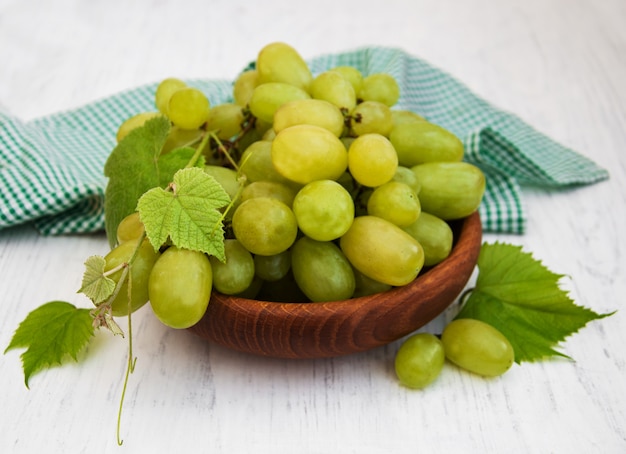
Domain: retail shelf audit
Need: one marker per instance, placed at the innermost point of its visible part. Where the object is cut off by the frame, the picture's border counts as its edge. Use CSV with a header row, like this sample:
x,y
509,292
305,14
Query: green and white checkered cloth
x,y
51,169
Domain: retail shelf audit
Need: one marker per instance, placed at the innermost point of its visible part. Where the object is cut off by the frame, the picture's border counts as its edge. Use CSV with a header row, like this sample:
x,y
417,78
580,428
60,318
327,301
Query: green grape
x,y
352,75
139,273
372,160
134,122
269,135
305,153
180,287
244,86
420,142
477,347
265,226
380,87
347,182
402,116
226,177
364,286
321,270
435,236
261,126
178,138
333,87
267,98
371,117
382,251
229,180
324,210
129,228
251,136
253,289
347,141
450,190
361,198
256,164
164,92
272,268
395,202
407,176
419,360
226,119
279,62
234,275
270,189
309,112
188,108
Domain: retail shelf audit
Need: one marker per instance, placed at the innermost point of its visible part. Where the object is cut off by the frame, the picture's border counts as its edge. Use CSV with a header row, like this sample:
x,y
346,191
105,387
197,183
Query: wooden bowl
x,y
318,330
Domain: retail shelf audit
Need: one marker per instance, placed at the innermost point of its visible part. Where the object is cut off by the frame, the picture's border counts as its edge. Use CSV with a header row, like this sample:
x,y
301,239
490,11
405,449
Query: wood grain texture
x,y
321,330
558,64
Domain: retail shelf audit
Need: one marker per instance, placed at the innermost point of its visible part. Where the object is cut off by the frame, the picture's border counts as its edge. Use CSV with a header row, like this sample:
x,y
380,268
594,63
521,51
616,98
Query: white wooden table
x,y
558,64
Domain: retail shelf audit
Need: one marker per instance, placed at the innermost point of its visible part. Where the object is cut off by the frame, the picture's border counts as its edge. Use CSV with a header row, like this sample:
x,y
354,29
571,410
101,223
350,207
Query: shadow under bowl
x,y
319,330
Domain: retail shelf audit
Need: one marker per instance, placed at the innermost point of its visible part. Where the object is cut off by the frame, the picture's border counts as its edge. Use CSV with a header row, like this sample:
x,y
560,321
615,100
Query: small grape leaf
x,y
50,333
112,325
95,285
132,169
519,296
187,213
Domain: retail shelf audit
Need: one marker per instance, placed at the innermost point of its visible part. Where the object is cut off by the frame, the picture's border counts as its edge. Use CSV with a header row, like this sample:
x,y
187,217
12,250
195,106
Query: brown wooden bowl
x,y
317,330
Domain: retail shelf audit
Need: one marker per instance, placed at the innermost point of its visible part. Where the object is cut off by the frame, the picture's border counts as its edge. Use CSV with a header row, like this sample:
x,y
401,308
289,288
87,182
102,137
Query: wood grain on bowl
x,y
318,330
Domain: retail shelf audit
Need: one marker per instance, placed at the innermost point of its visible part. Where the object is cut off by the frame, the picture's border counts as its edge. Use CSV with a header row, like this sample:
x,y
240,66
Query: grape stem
x,y
101,320
194,159
242,182
222,148
132,361
228,147
115,269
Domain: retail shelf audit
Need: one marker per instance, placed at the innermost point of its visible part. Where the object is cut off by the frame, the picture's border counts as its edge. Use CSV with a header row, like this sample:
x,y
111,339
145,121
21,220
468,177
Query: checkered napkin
x,y
51,169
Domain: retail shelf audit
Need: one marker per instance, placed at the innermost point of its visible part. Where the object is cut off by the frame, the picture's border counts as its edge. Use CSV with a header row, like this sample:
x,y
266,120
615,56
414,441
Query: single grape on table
x,y
419,360
477,347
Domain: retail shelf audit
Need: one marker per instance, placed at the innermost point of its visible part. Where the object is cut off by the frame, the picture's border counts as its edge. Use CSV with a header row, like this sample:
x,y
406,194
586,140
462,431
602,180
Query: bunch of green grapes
x,y
356,192
337,193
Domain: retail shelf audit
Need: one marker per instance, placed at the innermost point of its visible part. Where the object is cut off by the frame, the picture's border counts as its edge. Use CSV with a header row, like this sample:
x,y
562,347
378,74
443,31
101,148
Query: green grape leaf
x,y
50,333
519,296
187,213
95,285
132,169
